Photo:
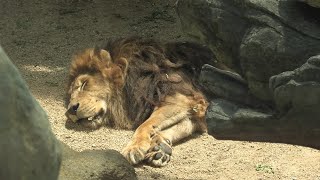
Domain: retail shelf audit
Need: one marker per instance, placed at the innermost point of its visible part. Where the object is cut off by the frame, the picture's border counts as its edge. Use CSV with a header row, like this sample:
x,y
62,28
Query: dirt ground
x,y
40,38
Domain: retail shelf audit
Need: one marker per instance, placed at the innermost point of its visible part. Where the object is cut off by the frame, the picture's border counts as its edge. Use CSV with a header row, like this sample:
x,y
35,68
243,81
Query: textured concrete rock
x,y
297,95
313,3
226,118
227,85
95,165
240,116
257,38
28,148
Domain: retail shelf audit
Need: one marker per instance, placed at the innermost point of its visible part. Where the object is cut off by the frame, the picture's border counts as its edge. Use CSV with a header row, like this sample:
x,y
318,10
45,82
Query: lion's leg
x,y
160,151
136,150
180,131
175,109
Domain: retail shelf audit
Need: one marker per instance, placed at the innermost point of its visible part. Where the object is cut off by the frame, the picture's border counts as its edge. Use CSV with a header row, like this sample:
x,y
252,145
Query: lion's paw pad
x,y
159,155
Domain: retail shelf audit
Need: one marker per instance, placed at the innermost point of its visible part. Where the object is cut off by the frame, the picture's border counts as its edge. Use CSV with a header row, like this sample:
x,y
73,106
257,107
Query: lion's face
x,y
94,82
89,95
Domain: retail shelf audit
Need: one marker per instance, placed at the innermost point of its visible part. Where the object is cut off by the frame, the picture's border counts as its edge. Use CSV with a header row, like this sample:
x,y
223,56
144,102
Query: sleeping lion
x,y
141,84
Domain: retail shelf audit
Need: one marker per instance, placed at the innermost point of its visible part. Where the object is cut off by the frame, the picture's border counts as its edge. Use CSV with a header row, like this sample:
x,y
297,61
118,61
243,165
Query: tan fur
x,y
100,93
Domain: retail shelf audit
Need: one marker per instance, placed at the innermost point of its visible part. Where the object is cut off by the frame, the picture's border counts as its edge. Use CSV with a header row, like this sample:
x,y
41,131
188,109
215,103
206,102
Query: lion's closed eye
x,y
83,85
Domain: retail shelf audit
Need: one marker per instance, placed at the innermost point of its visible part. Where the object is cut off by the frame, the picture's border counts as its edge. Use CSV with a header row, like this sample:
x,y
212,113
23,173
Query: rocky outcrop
x,y
295,118
230,119
95,165
297,95
256,38
272,94
227,85
313,3
28,148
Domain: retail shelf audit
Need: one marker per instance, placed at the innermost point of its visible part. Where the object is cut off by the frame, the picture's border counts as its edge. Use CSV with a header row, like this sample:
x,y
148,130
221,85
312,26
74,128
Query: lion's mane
x,y
154,71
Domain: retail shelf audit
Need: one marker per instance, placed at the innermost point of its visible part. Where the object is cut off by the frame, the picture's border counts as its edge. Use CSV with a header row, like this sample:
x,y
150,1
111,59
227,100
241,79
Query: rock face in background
x,y
28,148
226,117
295,118
257,38
267,42
227,85
313,3
95,165
297,95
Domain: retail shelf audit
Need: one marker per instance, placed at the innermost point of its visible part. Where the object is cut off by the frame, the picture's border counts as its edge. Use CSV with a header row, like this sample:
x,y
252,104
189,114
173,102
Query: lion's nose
x,y
73,109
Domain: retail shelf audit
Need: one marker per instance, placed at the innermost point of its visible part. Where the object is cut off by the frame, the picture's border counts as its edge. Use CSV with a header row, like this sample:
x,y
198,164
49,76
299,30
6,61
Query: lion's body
x,y
136,83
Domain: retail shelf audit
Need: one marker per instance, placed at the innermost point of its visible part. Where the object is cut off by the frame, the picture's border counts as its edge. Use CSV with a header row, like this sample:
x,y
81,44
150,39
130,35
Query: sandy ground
x,y
40,37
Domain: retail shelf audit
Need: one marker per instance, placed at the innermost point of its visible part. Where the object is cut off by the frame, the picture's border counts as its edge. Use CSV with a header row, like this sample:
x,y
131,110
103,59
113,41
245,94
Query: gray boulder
x,y
28,148
297,95
256,38
313,3
227,85
226,118
229,120
95,165
234,114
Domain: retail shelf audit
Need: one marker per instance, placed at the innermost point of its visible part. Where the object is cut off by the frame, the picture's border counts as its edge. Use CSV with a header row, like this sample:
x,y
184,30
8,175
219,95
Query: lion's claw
x,y
156,151
135,153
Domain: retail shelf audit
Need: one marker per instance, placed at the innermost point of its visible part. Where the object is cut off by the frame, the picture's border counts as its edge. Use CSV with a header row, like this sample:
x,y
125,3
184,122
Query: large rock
x,y
313,3
227,85
297,95
295,118
95,165
256,38
229,120
226,118
28,148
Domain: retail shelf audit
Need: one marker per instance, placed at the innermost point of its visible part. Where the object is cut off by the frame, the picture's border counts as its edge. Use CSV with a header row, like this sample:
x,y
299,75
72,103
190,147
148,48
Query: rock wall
x,y
256,38
273,92
28,148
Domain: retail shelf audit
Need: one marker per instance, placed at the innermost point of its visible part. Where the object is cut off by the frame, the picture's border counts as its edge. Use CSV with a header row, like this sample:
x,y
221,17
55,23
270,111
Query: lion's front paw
x,y
135,152
160,152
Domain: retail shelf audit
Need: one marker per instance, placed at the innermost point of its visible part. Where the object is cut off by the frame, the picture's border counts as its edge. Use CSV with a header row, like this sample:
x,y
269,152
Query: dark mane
x,y
154,70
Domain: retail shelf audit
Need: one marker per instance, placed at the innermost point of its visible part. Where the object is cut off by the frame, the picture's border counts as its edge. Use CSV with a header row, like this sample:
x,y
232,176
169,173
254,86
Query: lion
x,y
142,84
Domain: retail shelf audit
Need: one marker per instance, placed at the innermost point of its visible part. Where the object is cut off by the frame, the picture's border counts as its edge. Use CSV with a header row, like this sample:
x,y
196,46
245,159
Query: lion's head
x,y
95,85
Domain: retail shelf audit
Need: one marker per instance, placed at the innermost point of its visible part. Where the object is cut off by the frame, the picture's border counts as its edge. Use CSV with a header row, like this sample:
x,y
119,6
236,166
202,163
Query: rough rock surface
x,y
256,38
297,95
313,3
227,85
95,165
294,119
228,120
263,41
225,117
28,148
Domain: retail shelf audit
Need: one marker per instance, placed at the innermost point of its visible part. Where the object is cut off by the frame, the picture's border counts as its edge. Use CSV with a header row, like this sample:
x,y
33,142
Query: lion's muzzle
x,y
86,111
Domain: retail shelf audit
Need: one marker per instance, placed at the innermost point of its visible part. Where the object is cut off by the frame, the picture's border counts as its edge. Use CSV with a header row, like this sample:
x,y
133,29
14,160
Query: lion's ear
x,y
123,64
101,58
115,75
117,72
105,55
